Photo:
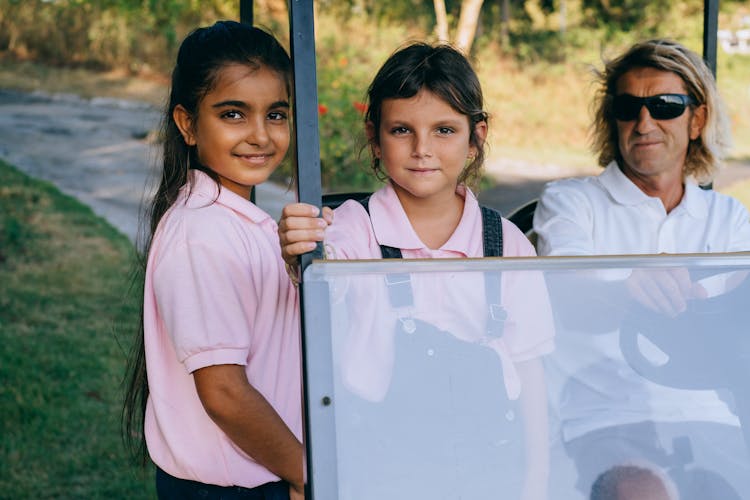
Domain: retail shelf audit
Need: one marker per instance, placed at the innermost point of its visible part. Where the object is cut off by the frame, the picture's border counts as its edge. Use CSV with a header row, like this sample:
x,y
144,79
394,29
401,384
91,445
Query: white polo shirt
x,y
609,215
216,292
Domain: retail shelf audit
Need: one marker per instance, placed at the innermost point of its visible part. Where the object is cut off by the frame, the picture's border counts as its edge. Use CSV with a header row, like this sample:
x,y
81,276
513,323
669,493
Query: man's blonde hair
x,y
705,153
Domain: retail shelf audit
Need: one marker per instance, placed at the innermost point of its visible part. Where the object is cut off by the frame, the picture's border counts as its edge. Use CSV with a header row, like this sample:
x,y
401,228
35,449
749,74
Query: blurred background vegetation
x,y
534,58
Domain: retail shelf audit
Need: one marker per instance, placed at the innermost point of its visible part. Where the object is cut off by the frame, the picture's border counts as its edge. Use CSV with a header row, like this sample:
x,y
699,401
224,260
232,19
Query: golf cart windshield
x,y
499,378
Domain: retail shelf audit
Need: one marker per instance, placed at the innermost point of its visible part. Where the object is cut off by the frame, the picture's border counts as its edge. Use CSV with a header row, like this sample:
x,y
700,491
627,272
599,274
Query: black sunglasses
x,y
627,107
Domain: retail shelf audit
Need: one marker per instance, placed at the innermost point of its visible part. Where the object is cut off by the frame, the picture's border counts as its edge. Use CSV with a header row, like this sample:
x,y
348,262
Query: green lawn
x,y
67,315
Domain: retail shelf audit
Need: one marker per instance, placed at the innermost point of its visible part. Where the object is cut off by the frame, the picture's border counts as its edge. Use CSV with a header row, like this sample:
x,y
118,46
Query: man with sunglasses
x,y
659,128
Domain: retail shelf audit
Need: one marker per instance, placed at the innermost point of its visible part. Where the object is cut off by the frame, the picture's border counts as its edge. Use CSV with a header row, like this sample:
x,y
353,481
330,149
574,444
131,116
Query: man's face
x,y
655,150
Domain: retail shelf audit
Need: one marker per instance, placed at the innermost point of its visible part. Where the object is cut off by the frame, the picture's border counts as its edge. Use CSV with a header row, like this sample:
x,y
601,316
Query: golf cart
x,y
391,413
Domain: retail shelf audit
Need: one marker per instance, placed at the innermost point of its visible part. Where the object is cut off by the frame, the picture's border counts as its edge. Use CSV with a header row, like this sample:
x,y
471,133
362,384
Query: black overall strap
x,y
492,235
399,284
492,232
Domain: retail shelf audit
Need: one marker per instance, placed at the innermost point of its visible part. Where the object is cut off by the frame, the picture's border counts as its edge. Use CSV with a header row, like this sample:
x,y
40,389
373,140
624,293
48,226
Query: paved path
x,y
96,151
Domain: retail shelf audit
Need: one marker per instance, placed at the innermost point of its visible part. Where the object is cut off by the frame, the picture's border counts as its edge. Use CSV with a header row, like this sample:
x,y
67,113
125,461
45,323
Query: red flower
x,y
322,109
360,106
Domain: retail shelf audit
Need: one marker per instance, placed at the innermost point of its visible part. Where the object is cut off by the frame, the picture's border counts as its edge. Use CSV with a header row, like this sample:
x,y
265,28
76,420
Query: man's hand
x,y
300,229
664,290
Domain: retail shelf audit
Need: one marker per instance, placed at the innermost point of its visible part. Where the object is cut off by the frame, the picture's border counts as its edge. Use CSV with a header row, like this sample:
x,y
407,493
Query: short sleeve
x,y
351,235
529,332
563,220
206,301
515,243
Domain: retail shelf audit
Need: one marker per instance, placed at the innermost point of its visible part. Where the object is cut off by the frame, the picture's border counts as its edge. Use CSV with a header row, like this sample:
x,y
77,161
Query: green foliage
x,y
341,97
344,161
533,46
414,12
624,15
134,34
63,304
344,73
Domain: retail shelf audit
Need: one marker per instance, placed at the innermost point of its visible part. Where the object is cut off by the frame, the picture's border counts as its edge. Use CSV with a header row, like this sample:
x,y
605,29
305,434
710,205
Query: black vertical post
x,y
246,17
246,12
302,45
302,42
710,29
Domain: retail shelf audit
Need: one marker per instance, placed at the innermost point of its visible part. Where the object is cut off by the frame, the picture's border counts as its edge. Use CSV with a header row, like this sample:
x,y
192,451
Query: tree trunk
x,y
505,24
441,25
467,24
563,17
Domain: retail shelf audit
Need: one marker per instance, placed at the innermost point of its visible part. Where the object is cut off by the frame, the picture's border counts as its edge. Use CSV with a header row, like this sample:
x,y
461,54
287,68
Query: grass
x,y
65,314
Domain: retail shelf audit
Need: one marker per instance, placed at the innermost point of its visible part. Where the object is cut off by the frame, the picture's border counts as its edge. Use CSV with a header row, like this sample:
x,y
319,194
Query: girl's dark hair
x,y
201,57
442,70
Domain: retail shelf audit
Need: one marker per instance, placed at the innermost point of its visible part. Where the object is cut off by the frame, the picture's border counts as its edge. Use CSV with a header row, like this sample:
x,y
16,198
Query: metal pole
x,y
710,28
246,17
316,353
302,42
246,12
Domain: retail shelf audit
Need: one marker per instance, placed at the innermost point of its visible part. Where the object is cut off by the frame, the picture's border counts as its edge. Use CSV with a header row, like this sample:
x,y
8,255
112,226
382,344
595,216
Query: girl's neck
x,y
434,219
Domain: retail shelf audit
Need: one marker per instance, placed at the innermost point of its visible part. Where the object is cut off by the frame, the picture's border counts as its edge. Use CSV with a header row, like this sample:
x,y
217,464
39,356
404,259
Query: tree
x,y
505,23
441,21
467,23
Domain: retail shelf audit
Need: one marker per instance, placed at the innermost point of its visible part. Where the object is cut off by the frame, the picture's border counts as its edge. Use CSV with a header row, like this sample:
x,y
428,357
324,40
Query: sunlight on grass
x,y
66,313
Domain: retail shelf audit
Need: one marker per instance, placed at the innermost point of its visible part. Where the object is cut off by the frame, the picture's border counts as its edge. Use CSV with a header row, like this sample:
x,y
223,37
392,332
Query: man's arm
x,y
563,220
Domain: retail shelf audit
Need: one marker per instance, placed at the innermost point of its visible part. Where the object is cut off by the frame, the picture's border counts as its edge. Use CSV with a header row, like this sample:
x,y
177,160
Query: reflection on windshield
x,y
531,378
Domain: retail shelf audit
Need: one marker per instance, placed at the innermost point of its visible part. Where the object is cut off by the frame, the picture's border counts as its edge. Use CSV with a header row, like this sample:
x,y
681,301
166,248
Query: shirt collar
x,y
393,228
620,187
625,192
694,201
203,187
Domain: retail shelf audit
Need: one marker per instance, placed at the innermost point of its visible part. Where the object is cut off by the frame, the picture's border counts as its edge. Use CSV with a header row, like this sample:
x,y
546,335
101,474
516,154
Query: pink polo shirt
x,y
216,292
455,303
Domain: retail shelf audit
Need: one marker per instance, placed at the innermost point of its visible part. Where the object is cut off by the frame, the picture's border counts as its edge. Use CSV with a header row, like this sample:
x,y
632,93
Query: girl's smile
x,y
255,159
